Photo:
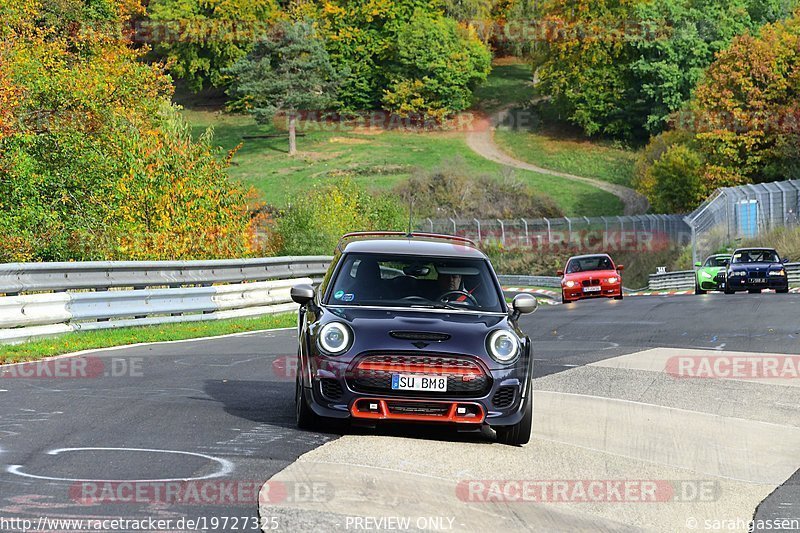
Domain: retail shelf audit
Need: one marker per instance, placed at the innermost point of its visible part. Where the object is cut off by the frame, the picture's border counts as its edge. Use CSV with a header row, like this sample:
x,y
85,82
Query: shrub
x,y
314,222
676,180
453,190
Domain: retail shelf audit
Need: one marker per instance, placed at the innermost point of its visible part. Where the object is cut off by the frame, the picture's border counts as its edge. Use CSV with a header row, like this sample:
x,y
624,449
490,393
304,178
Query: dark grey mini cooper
x,y
413,328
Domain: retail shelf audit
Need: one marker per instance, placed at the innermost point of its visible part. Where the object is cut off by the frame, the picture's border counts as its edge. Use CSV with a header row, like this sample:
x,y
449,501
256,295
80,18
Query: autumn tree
x,y
95,163
287,71
744,120
746,112
621,68
202,38
438,64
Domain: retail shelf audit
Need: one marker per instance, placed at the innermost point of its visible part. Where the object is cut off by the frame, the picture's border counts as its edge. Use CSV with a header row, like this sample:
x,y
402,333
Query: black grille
x,y
419,336
504,397
589,282
458,386
418,408
331,389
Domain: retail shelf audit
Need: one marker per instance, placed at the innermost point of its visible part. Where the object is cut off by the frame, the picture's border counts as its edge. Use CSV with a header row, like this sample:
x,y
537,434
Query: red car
x,y
590,276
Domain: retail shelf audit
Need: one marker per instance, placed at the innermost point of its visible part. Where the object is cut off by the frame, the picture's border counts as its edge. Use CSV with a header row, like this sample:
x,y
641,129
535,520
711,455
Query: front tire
x,y
754,291
783,291
728,290
698,290
519,433
304,416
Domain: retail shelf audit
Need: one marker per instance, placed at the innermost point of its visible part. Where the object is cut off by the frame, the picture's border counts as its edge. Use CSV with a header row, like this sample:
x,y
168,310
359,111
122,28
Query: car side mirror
x,y
698,264
302,294
524,304
560,273
785,260
620,268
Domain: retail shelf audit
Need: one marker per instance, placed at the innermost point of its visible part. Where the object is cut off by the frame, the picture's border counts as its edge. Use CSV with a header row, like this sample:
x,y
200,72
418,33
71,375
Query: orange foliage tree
x,y
95,163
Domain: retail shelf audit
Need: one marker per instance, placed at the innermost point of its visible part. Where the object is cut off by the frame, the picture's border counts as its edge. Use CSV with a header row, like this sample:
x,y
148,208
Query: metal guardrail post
x,y
527,238
549,234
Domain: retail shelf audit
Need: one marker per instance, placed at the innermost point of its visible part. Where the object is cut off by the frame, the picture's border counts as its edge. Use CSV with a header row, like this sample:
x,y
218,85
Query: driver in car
x,y
449,282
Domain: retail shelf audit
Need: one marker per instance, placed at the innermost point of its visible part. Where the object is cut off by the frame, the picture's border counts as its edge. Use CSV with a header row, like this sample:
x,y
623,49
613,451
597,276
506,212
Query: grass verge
x,y
591,159
89,340
510,83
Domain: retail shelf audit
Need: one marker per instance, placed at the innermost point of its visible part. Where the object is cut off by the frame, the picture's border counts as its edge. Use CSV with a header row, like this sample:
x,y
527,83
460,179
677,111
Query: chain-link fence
x,y
614,233
742,213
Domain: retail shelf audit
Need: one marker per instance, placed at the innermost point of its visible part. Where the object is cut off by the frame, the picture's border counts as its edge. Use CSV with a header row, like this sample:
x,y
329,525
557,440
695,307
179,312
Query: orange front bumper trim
x,y
379,409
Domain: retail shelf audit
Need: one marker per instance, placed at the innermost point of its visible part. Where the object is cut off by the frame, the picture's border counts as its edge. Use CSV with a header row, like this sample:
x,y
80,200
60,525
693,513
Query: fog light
x,y
461,410
373,407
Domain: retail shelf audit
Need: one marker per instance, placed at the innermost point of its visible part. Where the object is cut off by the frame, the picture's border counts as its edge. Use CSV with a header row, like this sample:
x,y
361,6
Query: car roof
x,y
413,246
588,256
719,255
756,249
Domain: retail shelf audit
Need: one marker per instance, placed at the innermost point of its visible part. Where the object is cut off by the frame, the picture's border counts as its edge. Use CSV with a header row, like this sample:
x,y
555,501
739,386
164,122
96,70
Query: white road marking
x,y
225,466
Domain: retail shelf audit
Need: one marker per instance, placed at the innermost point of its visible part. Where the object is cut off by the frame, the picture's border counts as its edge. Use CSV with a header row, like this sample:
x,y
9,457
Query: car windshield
x,y
719,261
415,282
756,256
587,264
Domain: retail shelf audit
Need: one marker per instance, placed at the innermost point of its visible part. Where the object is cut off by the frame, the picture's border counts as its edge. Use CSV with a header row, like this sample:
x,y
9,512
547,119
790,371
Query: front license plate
x,y
758,280
419,383
591,289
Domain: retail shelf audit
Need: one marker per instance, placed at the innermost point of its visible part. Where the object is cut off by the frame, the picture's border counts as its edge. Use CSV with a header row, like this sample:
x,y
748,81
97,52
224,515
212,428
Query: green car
x,y
710,276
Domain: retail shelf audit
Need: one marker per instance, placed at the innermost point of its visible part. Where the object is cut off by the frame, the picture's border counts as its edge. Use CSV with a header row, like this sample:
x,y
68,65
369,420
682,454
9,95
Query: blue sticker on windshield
x,y
348,297
338,295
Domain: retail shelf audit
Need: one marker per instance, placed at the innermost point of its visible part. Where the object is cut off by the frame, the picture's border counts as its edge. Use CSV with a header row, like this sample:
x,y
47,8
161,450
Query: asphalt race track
x,y
609,412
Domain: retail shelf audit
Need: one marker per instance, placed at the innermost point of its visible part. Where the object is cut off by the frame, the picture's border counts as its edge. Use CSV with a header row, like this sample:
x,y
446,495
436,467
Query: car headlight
x,y
613,280
502,345
570,283
705,275
736,273
334,338
778,273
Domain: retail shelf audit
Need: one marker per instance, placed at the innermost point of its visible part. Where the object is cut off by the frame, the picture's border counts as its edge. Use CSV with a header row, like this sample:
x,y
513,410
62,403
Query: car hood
x,y
465,332
594,274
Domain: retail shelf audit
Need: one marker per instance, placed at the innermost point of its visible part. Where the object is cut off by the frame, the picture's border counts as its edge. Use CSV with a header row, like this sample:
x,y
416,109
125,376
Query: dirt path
x,y
481,141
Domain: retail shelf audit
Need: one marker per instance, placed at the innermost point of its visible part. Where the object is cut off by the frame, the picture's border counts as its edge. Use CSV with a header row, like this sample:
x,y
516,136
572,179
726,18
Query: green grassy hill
x,y
380,159
376,159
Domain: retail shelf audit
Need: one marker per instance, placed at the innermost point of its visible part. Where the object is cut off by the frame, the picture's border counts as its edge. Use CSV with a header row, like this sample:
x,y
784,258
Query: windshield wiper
x,y
445,305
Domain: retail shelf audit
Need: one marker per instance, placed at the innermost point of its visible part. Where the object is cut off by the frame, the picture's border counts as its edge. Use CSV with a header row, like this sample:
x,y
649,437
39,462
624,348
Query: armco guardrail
x,y
17,278
684,279
678,280
529,281
101,295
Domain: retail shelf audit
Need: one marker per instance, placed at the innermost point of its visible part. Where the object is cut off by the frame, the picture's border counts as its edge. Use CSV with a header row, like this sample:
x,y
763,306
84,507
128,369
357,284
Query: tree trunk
x,y
292,134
